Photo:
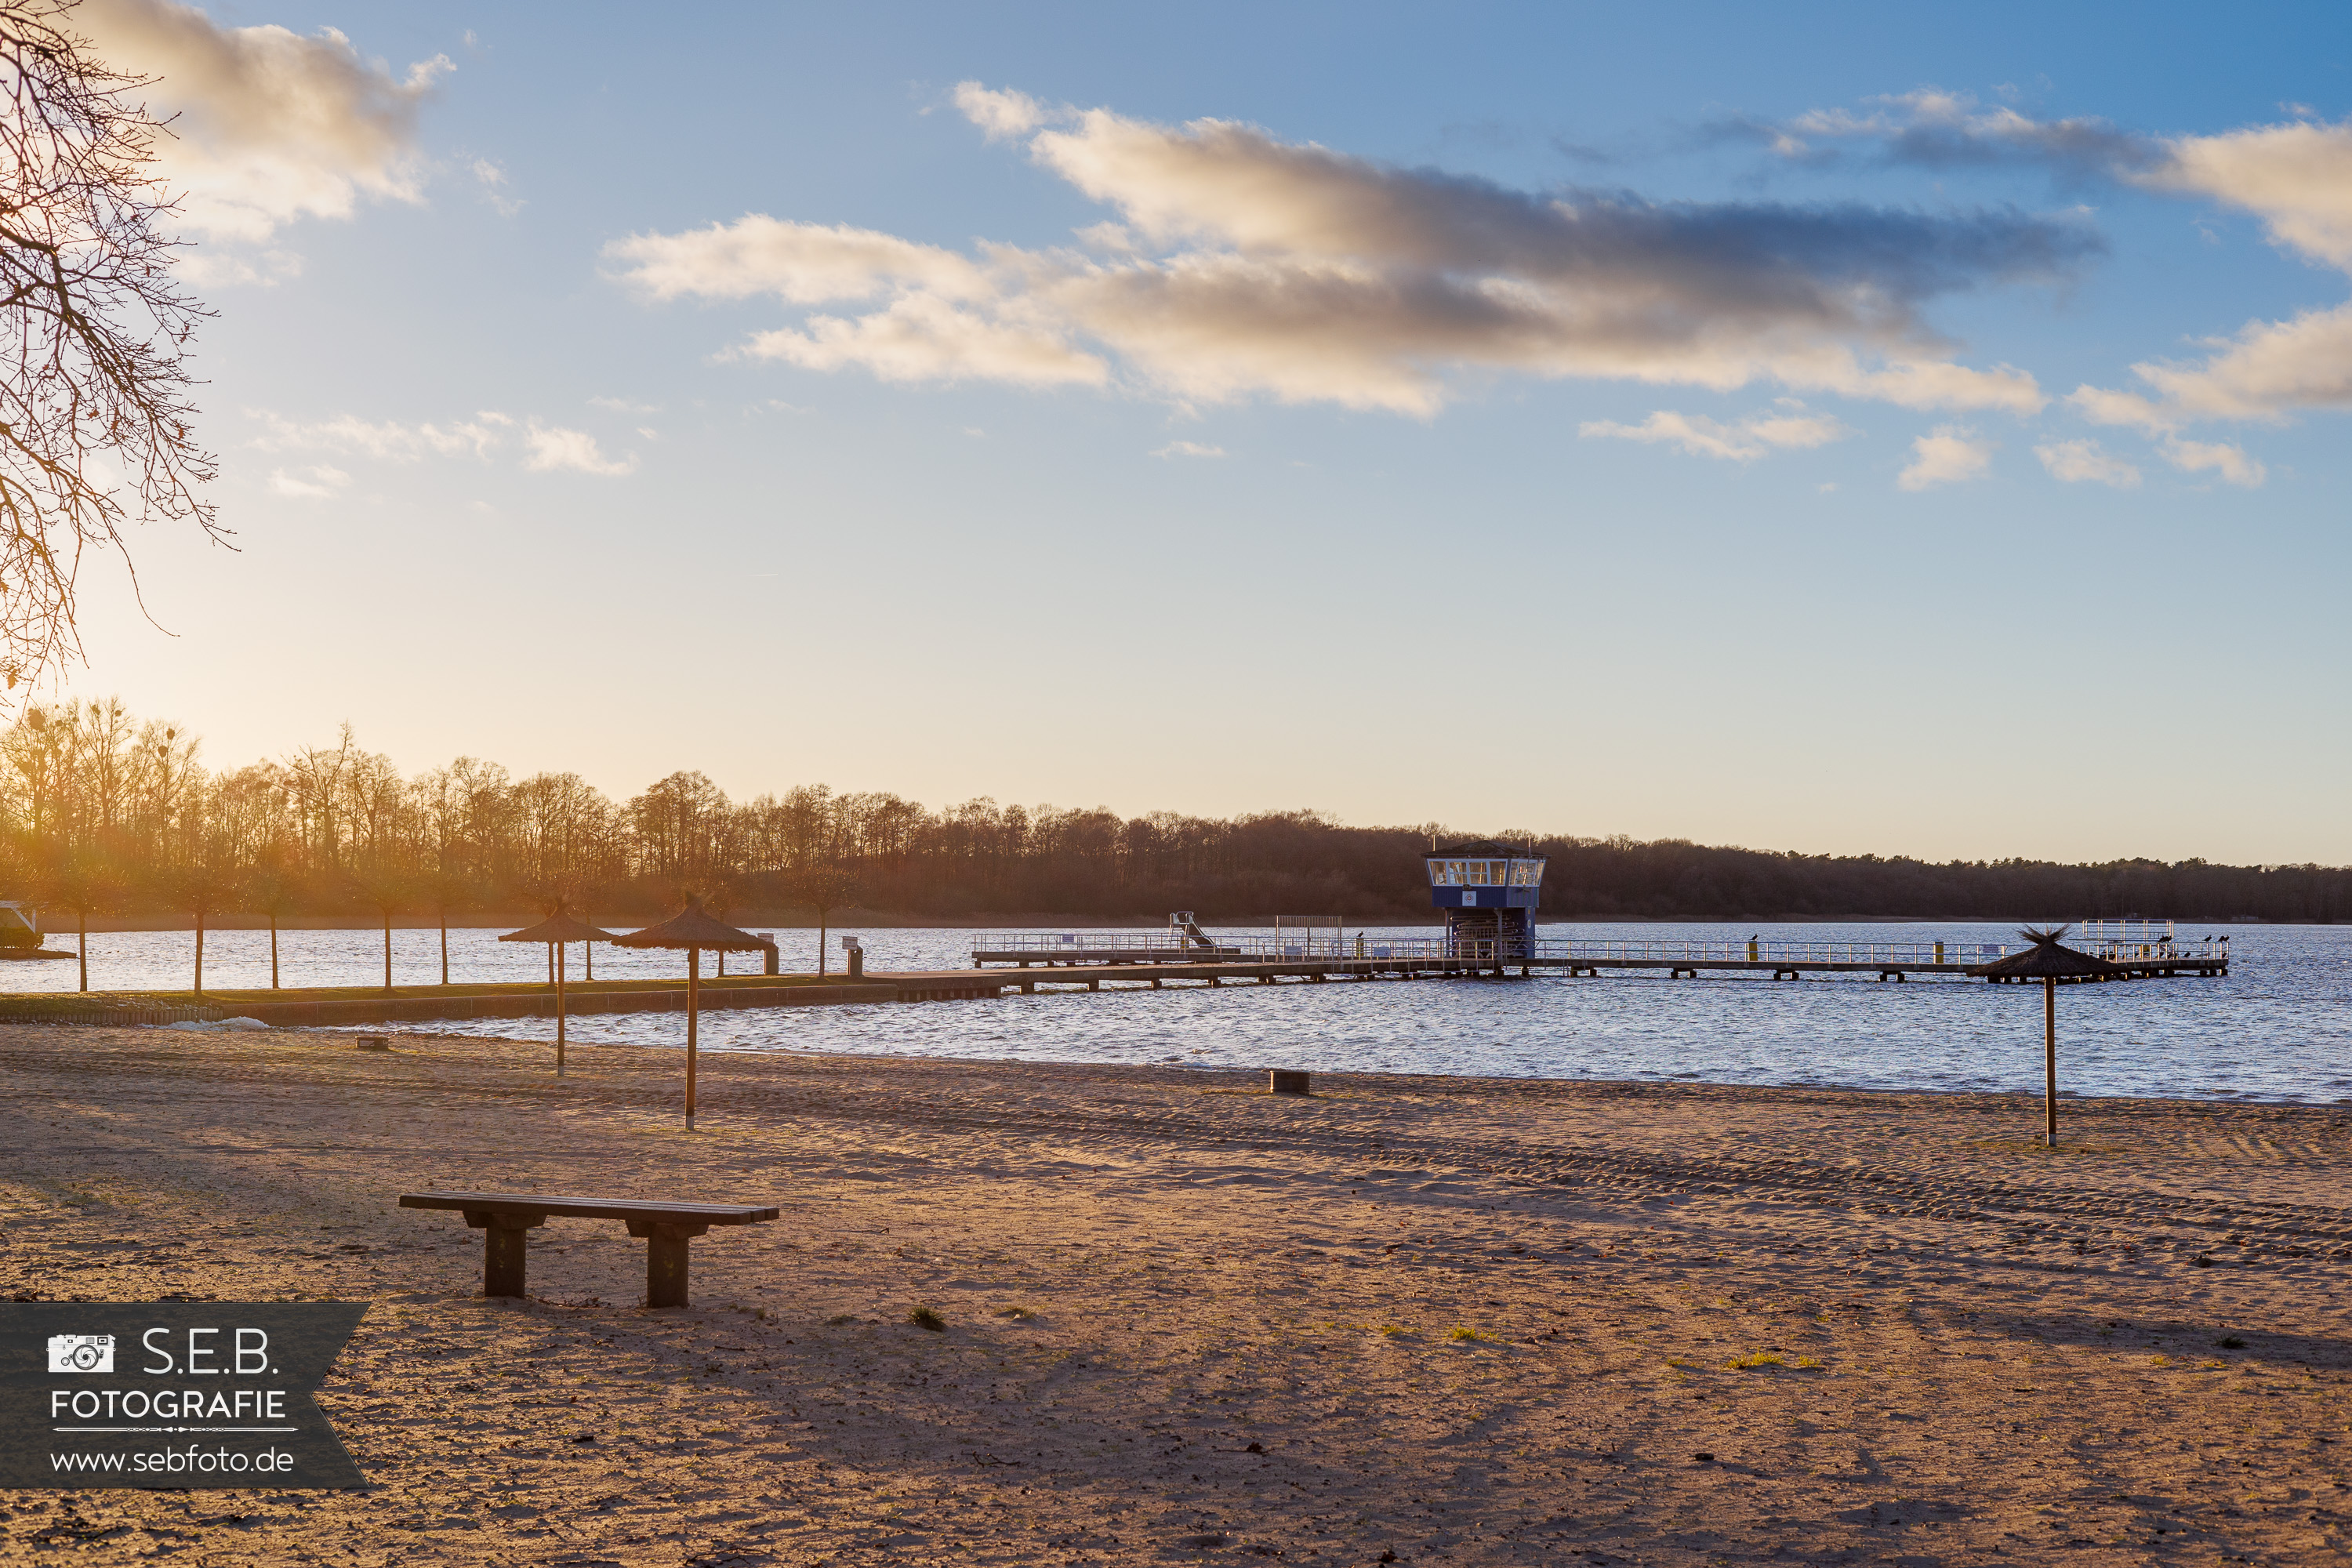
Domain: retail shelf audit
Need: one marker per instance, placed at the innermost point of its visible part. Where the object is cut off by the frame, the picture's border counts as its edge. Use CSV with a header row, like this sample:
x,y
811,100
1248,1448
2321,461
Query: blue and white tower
x,y
1489,892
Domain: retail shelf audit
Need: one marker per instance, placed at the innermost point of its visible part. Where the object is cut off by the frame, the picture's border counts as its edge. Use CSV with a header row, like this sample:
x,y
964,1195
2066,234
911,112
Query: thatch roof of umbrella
x,y
692,927
2045,959
559,927
695,929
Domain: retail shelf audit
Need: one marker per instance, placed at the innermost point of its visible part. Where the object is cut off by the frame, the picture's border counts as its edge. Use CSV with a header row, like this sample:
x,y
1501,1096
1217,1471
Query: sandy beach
x,y
1410,1319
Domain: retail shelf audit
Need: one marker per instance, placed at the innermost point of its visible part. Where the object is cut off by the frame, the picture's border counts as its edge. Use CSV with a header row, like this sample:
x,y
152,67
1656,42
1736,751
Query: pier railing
x,y
2135,931
1172,946
1561,950
1289,946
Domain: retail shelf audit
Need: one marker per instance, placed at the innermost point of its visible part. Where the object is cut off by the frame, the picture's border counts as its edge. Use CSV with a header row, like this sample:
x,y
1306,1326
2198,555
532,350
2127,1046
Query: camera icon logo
x,y
81,1352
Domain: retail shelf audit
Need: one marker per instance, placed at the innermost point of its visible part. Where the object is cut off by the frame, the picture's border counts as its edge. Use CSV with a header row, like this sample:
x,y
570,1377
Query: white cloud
x,y
1189,449
270,125
545,449
805,263
1744,442
623,406
2296,177
2267,371
492,179
552,448
1000,115
2077,462
316,483
1946,455
922,337
389,441
2229,462
1240,266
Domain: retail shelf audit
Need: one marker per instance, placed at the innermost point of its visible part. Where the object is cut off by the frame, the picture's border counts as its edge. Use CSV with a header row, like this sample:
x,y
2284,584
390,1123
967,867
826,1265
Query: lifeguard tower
x,y
1489,892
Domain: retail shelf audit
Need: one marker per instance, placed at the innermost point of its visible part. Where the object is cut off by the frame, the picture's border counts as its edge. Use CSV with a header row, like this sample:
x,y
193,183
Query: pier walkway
x,y
1029,962
1169,954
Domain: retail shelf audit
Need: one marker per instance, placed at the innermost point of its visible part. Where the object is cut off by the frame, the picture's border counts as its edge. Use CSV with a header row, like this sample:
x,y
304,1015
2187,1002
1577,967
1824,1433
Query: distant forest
x,y
109,815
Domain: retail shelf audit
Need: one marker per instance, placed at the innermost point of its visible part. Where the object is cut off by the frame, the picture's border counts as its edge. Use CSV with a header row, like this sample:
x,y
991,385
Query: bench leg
x,y
505,1233
502,1260
666,1260
665,1272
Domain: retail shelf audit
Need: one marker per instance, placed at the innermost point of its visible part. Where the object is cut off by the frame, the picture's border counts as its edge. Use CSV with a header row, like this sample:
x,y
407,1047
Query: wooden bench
x,y
506,1219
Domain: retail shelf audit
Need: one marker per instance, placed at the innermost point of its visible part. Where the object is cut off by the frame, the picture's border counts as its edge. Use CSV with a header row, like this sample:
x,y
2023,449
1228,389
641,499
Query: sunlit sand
x,y
1464,1320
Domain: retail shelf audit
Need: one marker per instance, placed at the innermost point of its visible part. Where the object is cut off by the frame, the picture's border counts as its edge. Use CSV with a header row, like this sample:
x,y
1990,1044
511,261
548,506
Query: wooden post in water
x,y
693,1005
2050,1062
558,1010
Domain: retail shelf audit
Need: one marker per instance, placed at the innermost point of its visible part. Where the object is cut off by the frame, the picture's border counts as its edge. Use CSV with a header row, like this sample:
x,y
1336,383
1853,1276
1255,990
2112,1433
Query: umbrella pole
x,y
693,1004
2050,1062
559,1013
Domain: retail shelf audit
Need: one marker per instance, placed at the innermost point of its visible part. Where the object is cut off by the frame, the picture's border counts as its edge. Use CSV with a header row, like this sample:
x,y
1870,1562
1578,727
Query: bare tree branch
x,y
95,412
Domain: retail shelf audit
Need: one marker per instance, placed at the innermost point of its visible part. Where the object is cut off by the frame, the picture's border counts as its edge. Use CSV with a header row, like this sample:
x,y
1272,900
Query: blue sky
x,y
1667,420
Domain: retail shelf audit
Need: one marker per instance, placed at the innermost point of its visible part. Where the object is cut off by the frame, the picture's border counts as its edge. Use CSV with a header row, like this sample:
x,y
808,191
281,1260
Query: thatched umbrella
x,y
2049,963
555,930
694,931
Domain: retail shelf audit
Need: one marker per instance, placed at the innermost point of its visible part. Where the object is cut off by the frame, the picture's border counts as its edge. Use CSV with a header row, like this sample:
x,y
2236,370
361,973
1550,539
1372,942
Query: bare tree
x,y
271,889
443,893
390,891
203,888
86,884
95,410
824,888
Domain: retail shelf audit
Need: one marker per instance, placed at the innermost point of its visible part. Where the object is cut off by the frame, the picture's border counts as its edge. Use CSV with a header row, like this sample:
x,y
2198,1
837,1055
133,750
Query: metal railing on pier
x,y
1166,946
2133,931
1293,946
1569,949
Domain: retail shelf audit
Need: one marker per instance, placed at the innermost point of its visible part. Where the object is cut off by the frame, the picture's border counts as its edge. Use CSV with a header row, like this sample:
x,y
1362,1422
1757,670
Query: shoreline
x,y
2022,1093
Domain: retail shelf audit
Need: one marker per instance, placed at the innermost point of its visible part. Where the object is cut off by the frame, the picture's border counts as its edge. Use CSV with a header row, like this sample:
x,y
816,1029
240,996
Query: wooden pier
x,y
1028,963
1158,957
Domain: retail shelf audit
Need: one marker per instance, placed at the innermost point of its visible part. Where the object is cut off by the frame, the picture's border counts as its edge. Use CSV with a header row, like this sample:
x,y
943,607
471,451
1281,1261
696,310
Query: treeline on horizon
x,y
104,814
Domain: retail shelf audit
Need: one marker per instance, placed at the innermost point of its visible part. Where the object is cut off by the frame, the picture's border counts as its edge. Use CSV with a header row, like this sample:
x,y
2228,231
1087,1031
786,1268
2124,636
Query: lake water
x,y
2277,1028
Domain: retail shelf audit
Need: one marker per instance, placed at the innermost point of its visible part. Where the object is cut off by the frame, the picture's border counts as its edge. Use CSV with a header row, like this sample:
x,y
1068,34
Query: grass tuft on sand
x,y
927,1317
